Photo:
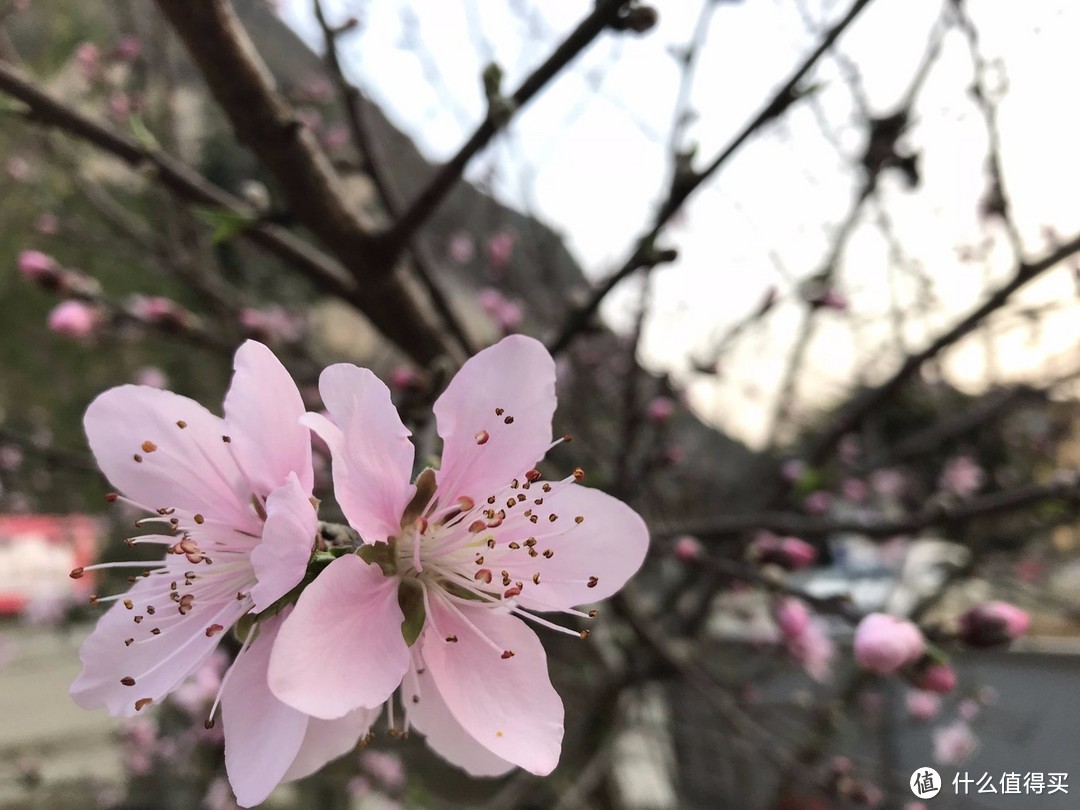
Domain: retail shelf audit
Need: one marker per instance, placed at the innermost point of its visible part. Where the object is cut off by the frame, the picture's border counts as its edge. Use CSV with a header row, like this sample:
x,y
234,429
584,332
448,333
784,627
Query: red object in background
x,y
37,553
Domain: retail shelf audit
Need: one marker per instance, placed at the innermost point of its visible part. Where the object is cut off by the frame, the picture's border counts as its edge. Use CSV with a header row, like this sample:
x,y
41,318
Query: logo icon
x,y
925,783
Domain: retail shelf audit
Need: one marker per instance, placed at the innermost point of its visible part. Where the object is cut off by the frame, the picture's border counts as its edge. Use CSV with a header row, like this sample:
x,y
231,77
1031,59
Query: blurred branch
x,y
1066,488
577,320
375,163
263,121
53,456
178,178
448,175
865,403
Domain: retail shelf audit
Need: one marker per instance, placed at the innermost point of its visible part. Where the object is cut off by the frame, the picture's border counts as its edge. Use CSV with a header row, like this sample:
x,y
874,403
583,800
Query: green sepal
x,y
226,222
425,491
460,592
411,601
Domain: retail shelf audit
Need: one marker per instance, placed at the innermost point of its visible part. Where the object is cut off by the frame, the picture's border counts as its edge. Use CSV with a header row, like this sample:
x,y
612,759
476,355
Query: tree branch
x,y
263,121
451,172
787,95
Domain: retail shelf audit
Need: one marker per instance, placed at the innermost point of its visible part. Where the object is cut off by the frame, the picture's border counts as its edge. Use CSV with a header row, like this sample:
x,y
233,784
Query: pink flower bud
x,y
47,224
128,48
159,310
687,548
659,409
993,623
335,137
883,643
120,107
792,617
404,377
818,503
272,325
954,743
962,477
940,678
38,267
461,248
507,314
853,489
499,249
923,706
73,319
18,168
151,376
793,470
88,58
799,553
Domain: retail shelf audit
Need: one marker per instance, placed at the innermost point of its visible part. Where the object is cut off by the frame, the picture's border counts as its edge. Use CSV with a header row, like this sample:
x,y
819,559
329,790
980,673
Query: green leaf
x,y
411,602
226,222
143,135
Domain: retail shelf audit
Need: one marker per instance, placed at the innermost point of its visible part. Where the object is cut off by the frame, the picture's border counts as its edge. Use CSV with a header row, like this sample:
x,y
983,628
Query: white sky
x,y
589,157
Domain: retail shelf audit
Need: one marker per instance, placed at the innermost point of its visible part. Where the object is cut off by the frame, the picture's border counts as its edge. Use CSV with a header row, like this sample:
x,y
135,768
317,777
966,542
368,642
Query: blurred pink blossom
x,y
962,476
499,249
151,376
158,309
792,617
47,224
888,483
335,137
923,706
128,48
37,266
88,58
954,743
462,249
18,168
74,319
793,470
848,449
687,548
818,502
790,553
404,377
968,710
659,409
884,643
853,489
273,324
11,457
993,623
507,314
385,767
814,649
936,677
120,107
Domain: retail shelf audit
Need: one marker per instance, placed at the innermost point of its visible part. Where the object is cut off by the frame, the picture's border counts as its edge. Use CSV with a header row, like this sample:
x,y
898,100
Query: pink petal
x,y
372,454
609,544
280,560
262,734
446,736
327,740
157,663
506,704
514,381
136,435
262,413
341,648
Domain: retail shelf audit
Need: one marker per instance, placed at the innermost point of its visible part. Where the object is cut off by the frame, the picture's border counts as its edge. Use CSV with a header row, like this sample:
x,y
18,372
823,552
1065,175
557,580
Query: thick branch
x,y
450,173
265,123
787,95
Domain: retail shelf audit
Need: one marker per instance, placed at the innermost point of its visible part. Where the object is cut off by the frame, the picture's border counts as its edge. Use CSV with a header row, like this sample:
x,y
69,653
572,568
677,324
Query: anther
x,y
479,559
451,639
465,503
532,518
547,487
208,724
482,437
532,475
477,526
584,634
552,517
593,614
592,582
138,458
536,578
128,642
533,553
530,542
415,698
539,501
110,497
567,438
511,592
148,446
522,497
129,604
180,423
213,630
579,474
150,610
499,411
138,619
508,420
127,681
491,542
142,703
199,519
483,575
507,654
226,439
512,502
76,573
515,546
579,519
156,631
549,553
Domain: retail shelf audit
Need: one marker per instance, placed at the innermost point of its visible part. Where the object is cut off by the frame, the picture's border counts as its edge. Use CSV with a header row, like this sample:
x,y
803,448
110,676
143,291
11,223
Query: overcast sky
x,y
589,158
